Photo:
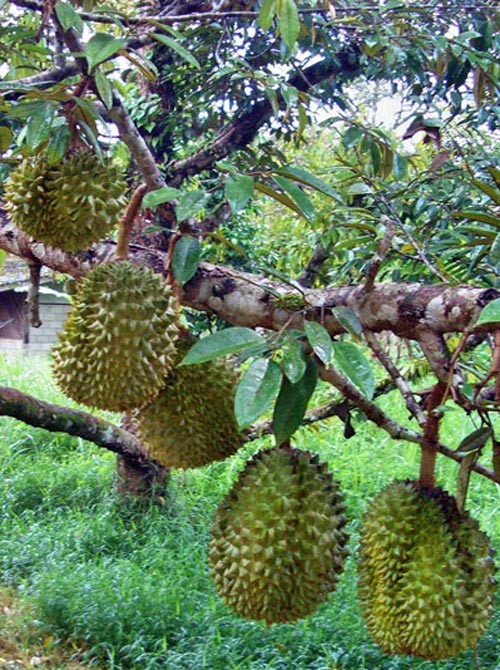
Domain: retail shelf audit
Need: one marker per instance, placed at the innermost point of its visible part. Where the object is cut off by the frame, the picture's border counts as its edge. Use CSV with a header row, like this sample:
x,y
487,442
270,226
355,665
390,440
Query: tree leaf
x,y
300,198
238,191
58,144
294,360
280,197
104,89
178,48
189,203
475,440
6,136
102,46
185,258
288,21
490,191
490,313
267,14
222,343
258,387
351,361
479,216
292,402
39,125
68,17
348,319
320,340
305,177
161,195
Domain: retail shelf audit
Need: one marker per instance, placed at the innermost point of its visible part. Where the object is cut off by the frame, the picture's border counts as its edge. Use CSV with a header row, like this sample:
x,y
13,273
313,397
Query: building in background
x,y
16,334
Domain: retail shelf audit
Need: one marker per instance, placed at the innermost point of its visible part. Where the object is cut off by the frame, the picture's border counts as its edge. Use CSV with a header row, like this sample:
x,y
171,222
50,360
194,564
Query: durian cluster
x,y
70,204
278,541
426,571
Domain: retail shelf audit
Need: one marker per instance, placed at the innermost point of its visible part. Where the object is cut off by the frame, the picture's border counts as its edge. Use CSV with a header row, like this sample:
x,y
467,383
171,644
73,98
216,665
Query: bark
x,y
407,310
75,422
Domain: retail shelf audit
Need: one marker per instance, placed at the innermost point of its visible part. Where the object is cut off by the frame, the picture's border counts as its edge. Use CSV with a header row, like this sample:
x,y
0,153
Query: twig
x,y
127,222
380,254
400,382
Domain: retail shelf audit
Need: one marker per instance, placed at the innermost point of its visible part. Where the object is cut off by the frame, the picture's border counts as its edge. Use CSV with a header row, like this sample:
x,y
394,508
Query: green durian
x,y
70,204
118,342
191,422
278,541
426,572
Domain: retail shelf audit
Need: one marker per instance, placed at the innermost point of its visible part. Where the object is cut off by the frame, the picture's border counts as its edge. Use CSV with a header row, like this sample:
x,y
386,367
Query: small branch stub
x,y
127,222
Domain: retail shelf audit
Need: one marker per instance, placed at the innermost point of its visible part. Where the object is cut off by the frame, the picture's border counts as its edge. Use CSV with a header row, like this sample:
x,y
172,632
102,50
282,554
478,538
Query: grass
x,y
93,578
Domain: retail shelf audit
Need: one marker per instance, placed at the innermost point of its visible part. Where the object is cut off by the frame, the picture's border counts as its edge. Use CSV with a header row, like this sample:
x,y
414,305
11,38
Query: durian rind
x,y
69,205
191,423
278,541
118,342
425,573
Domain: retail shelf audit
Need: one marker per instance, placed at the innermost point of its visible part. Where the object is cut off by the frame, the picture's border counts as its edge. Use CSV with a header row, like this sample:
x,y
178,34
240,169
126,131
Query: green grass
x,y
129,584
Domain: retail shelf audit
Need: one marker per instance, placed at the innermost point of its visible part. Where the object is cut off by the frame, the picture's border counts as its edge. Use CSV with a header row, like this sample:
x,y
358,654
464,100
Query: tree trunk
x,y
147,480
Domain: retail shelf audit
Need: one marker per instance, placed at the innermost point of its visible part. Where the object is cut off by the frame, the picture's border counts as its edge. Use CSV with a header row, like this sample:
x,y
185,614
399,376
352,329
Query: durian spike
x,y
126,222
429,443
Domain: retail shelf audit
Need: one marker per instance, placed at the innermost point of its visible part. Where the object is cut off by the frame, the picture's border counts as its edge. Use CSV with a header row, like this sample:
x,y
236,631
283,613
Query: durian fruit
x,y
425,573
118,342
69,205
191,423
278,541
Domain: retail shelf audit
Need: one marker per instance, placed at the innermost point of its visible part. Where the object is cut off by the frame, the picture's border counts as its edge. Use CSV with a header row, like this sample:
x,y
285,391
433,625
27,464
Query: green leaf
x,y
294,361
399,166
102,46
267,14
292,401
222,343
490,191
490,313
189,203
238,191
280,197
475,440
305,177
58,144
375,156
348,319
320,340
161,195
178,48
288,21
352,136
300,198
351,361
185,258
39,124
6,136
258,387
479,216
3,256
104,89
68,18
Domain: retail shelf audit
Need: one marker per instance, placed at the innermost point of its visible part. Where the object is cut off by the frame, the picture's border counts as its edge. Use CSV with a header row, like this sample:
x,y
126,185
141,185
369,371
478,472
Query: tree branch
x,y
245,126
55,418
246,299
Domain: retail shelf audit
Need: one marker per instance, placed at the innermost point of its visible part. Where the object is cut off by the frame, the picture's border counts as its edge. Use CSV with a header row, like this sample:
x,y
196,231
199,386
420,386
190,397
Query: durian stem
x,y
430,438
171,277
127,222
34,295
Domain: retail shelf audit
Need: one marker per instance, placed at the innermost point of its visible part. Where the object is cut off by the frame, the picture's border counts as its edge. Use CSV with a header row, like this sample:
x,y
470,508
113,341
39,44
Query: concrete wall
x,y
53,314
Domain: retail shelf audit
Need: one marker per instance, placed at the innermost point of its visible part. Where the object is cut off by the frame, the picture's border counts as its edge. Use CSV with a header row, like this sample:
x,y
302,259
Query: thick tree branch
x,y
251,300
55,418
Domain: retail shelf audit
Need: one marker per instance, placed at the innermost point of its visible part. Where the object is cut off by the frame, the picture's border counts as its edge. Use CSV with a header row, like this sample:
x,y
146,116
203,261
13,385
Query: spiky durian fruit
x,y
425,573
71,204
278,541
118,342
191,422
